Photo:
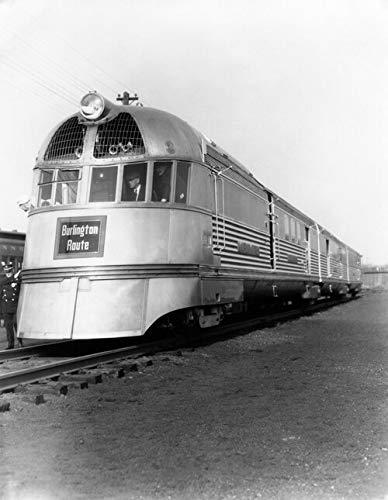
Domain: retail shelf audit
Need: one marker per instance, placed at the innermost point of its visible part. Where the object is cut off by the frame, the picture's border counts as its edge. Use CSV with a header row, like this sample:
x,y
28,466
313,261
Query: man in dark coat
x,y
161,182
10,289
133,187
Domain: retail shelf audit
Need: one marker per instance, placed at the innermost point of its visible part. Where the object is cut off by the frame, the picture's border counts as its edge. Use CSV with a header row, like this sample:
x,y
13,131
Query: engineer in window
x,y
134,186
161,182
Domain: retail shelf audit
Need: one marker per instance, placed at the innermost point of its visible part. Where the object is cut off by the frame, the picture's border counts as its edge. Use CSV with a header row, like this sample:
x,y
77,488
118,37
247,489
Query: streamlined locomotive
x,y
135,215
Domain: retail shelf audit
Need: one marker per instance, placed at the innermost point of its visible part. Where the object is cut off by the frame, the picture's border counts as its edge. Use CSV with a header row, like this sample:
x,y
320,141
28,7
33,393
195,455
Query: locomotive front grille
x,y
67,142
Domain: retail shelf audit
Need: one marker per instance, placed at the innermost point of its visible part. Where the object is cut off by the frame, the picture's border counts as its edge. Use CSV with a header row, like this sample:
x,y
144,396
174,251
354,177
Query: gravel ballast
x,y
298,411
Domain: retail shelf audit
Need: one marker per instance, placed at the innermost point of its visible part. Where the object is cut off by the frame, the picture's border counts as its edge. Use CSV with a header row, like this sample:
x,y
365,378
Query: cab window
x,y
60,183
161,182
45,188
182,176
66,187
103,185
134,182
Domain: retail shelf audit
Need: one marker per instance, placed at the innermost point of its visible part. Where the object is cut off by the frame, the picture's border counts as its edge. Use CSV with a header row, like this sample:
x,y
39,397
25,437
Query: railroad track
x,y
28,351
49,369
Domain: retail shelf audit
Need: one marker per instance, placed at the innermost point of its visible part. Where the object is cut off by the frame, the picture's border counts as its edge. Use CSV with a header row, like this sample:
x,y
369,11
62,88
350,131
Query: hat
x,y
8,268
132,174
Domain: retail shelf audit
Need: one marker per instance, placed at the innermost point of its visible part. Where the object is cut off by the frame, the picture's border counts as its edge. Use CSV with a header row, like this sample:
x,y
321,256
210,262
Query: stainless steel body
x,y
107,254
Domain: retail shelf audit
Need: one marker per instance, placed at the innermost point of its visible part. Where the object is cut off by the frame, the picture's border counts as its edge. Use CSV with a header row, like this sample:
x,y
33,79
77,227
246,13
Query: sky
x,y
296,91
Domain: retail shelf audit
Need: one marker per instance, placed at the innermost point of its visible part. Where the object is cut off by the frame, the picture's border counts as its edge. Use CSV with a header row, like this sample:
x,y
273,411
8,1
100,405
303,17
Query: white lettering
x,y
77,246
79,230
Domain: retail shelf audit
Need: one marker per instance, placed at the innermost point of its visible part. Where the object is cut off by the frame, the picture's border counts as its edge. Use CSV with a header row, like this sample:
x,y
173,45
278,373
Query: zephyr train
x,y
136,217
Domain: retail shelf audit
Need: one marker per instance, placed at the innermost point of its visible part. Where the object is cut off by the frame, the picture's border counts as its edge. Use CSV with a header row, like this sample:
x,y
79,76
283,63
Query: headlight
x,y
92,106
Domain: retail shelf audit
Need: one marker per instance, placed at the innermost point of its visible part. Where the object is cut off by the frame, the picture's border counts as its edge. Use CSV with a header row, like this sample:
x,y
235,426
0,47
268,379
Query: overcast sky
x,y
297,91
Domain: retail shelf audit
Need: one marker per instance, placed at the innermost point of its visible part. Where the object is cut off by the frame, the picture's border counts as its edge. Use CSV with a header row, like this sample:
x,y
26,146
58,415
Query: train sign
x,y
80,237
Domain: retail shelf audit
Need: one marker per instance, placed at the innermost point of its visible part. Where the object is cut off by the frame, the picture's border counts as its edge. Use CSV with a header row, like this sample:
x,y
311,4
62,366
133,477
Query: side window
x,y
286,227
161,182
66,187
292,227
45,188
182,176
298,233
103,185
134,182
342,253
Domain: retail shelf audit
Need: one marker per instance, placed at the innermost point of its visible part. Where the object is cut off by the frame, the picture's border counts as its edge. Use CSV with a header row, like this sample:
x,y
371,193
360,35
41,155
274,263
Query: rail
x,y
10,381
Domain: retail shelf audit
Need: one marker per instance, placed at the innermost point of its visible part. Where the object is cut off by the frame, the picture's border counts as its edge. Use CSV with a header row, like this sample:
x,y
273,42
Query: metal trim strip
x,y
110,272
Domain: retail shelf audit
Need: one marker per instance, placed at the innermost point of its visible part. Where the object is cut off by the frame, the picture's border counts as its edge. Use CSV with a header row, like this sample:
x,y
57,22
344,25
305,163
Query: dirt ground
x,y
294,412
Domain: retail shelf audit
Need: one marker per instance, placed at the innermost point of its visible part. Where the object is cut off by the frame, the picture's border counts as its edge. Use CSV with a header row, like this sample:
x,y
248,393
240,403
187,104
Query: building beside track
x,y
12,248
375,277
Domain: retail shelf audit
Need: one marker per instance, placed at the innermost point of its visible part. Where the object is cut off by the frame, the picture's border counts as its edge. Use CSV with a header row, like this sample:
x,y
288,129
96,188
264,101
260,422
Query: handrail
x,y
218,175
216,208
319,253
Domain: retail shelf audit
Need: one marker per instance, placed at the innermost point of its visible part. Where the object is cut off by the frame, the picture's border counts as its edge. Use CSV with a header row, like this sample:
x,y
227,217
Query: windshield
x,y
58,187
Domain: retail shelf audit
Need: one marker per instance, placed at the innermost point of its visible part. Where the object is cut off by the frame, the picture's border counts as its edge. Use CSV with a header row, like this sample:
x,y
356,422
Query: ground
x,y
293,412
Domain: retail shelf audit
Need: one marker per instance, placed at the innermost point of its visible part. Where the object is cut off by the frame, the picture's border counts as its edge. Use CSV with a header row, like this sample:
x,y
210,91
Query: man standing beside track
x,y
9,289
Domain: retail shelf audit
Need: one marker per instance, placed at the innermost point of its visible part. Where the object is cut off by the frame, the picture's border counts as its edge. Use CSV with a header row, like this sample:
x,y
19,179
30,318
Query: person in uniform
x,y
9,290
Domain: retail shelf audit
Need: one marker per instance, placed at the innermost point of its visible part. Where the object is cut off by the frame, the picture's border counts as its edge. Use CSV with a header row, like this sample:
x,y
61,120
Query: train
x,y
137,219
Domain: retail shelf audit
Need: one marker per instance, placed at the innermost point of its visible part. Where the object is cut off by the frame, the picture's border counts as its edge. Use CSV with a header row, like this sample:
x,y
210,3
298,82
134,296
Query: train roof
x,y
163,134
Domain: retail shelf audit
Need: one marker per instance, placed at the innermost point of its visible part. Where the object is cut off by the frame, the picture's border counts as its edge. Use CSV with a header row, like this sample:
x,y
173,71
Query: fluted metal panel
x,y
290,257
226,244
